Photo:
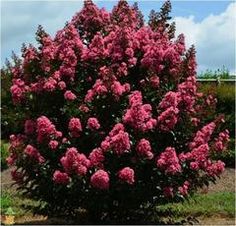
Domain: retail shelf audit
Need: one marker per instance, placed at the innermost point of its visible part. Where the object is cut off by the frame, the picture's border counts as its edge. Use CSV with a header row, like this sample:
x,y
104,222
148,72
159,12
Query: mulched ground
x,y
226,183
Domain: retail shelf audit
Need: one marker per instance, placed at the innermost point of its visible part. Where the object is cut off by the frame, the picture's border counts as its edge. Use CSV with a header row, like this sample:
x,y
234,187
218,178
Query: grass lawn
x,y
219,203
201,205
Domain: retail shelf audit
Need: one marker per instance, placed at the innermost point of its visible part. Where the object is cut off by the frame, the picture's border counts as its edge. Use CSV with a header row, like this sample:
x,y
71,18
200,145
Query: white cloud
x,y
19,21
213,37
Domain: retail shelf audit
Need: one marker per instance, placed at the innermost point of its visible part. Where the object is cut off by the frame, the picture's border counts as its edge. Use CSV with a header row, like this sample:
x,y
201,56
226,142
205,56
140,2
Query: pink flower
x,y
60,177
33,153
126,175
62,85
68,95
120,143
171,99
144,149
194,165
83,108
203,136
215,169
200,154
45,129
74,162
118,140
139,115
221,141
93,124
188,92
58,134
53,144
168,119
75,127
96,157
184,189
64,140
50,84
100,179
18,90
169,161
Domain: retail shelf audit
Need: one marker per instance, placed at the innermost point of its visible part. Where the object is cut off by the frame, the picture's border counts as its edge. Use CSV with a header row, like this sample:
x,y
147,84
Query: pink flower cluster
x,y
144,149
101,87
169,161
50,84
203,136
91,19
75,127
34,154
17,143
139,115
171,99
118,89
45,129
221,141
74,162
60,177
124,15
18,90
200,151
215,169
53,144
96,157
168,119
93,124
68,95
100,179
187,92
183,190
117,141
126,175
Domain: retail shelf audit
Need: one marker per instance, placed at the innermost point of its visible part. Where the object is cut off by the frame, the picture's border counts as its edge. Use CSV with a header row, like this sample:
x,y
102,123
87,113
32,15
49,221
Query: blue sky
x,y
210,25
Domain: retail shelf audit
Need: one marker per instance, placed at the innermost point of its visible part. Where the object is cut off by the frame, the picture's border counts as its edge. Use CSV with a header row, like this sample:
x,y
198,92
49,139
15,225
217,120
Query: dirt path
x,y
225,183
217,220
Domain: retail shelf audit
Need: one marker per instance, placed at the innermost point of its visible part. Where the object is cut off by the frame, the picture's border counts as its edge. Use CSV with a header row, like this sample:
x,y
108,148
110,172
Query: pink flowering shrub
x,y
113,119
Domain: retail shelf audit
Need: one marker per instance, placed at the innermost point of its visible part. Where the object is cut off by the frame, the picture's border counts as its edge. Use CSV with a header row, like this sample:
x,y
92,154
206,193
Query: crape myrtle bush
x,y
113,120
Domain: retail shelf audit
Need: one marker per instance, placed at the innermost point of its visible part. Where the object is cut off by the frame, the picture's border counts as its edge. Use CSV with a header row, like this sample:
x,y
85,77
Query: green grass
x,y
6,201
4,153
222,203
19,204
201,205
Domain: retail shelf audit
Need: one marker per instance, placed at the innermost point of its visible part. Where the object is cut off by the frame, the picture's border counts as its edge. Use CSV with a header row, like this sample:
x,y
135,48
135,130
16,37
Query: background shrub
x,y
110,111
222,73
225,94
